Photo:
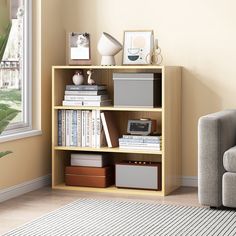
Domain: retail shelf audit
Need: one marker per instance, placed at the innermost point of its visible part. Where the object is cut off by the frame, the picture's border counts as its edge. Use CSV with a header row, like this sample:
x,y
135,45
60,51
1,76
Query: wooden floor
x,y
23,209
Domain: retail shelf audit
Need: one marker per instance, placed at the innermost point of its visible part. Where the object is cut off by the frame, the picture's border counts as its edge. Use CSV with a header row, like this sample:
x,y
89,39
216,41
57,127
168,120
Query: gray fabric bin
x,y
137,89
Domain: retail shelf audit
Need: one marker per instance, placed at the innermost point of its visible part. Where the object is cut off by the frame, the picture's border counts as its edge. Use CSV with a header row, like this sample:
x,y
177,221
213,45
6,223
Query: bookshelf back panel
x,y
61,159
121,119
61,79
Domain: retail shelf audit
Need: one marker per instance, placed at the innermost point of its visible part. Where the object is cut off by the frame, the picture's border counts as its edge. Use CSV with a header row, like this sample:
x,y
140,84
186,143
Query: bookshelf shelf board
x,y
109,108
111,189
111,67
107,149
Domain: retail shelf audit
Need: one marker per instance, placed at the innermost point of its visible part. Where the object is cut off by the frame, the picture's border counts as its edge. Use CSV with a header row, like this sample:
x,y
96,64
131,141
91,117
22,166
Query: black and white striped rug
x,y
107,217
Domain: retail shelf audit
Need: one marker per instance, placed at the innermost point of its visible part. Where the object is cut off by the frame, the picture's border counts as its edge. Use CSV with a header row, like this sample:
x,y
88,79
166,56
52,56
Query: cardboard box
x,y
99,177
90,160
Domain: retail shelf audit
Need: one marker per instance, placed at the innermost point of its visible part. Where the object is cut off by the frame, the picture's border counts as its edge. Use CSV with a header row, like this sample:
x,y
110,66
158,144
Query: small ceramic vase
x,y
78,78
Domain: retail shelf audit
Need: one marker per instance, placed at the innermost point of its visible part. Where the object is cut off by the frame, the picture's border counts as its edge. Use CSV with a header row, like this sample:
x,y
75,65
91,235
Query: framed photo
x,y
137,47
78,51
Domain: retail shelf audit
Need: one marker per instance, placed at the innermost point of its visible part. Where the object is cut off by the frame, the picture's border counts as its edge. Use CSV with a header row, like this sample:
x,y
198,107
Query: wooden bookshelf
x,y
168,117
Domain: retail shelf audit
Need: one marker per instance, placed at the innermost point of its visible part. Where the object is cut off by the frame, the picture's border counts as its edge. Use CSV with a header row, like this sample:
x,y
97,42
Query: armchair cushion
x,y
229,160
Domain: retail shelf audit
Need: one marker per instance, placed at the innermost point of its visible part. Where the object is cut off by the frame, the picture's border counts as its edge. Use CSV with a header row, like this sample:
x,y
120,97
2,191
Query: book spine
x,y
85,87
98,129
83,128
140,145
87,129
79,128
93,129
90,128
97,103
142,137
74,128
85,93
72,103
68,121
141,148
98,98
59,127
63,128
126,140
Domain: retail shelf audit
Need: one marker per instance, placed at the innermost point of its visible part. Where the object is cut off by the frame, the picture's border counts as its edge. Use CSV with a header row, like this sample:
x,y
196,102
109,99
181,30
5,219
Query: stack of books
x,y
141,142
80,128
86,95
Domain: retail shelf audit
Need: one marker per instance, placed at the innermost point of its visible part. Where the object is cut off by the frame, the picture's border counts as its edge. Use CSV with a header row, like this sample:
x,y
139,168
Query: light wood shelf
x,y
148,67
107,149
168,117
111,189
108,108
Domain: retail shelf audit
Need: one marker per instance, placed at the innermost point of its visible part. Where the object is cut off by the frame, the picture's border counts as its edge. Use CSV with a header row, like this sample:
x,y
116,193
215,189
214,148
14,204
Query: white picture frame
x,y
137,47
79,52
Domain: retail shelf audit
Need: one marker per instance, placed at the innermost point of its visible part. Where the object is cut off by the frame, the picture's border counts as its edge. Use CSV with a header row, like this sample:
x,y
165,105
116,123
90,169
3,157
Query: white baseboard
x,y
189,181
20,189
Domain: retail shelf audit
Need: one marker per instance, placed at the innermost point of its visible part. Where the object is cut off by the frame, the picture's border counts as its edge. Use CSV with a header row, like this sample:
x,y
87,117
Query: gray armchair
x,y
217,159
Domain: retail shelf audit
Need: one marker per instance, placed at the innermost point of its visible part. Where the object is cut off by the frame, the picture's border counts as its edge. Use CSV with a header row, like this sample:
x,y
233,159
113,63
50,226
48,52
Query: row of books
x,y
86,95
81,128
85,128
141,142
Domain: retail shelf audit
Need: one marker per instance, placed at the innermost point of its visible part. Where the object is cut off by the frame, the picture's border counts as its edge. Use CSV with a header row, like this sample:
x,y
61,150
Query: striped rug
x,y
107,217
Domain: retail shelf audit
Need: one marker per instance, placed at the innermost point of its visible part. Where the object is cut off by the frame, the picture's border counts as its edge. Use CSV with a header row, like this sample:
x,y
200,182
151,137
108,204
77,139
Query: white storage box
x,y
90,160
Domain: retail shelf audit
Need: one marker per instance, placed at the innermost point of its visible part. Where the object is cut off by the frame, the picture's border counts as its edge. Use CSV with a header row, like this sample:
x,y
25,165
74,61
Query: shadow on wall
x,y
198,99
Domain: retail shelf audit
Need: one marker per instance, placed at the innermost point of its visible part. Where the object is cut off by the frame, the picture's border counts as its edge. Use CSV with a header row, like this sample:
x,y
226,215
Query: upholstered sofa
x,y
217,159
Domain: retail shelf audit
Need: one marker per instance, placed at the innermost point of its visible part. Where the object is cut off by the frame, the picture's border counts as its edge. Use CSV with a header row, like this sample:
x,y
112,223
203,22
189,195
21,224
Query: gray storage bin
x,y
137,89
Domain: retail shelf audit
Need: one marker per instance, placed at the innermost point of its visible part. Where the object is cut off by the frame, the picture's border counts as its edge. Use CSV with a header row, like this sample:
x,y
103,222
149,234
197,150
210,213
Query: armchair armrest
x,y
216,134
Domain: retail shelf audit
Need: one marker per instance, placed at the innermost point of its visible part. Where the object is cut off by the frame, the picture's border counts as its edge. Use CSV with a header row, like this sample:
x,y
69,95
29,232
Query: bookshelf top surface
x,y
111,67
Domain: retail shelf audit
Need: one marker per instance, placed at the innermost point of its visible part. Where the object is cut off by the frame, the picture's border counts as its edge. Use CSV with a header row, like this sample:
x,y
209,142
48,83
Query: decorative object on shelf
x,y
141,127
108,47
78,49
155,57
137,46
140,176
90,80
78,77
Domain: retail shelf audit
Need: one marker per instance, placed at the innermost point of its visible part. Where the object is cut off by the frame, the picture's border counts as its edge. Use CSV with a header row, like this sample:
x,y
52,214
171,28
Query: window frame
x,y
25,128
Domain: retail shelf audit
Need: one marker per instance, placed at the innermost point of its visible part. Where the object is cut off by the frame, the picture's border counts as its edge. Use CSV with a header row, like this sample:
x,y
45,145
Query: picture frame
x,y
78,48
138,47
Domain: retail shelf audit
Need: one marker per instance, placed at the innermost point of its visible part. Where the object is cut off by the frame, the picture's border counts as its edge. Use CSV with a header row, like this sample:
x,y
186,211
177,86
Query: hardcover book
x,y
110,129
86,87
85,92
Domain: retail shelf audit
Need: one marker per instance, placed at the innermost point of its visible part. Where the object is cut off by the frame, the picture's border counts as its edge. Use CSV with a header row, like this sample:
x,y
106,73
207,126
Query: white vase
x,y
78,79
108,47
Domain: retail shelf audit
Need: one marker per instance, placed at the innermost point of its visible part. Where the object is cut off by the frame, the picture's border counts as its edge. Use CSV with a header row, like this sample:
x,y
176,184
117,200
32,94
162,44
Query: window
x,y
15,67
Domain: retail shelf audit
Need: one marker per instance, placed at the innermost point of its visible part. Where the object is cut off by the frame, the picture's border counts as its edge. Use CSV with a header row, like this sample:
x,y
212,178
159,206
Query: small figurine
x,y
90,81
78,77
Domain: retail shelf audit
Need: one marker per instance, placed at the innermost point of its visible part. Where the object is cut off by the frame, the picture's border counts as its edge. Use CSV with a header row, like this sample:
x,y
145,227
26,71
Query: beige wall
x,y
31,156
198,35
